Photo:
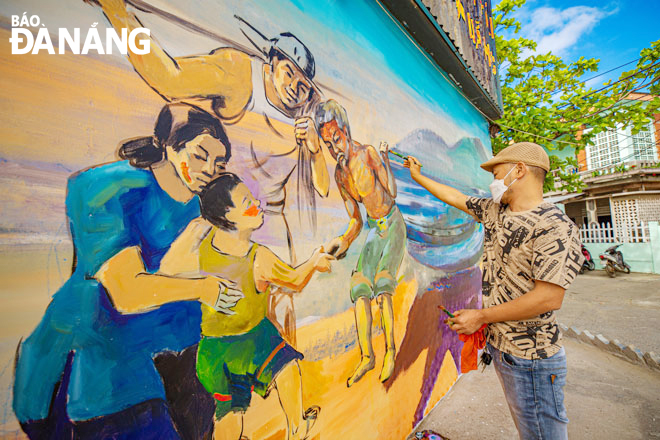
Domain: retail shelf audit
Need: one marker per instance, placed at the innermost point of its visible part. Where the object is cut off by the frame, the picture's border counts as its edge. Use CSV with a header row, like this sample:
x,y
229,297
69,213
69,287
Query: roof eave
x,y
423,28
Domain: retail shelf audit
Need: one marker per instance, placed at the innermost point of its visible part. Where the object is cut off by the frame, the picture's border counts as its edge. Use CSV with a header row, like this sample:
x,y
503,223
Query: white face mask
x,y
498,188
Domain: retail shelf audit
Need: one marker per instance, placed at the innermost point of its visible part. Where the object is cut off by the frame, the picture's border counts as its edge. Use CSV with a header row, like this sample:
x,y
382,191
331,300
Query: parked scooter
x,y
588,263
613,261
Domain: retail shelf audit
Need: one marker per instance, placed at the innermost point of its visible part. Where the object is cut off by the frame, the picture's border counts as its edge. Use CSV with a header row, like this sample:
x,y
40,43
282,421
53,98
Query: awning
x,y
562,198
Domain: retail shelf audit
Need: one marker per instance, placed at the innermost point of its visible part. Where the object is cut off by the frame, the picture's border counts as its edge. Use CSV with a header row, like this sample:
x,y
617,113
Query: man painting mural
x,y
276,82
364,176
531,256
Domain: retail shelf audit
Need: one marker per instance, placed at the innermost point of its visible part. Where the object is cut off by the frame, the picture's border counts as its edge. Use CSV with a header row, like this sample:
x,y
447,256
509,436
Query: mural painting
x,y
217,238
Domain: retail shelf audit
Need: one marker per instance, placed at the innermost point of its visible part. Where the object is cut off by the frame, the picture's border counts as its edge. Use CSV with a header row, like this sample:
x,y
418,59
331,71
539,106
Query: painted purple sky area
x,y
613,31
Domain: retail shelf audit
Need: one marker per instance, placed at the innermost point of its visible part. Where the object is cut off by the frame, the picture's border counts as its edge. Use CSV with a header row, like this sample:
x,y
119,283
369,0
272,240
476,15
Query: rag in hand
x,y
471,346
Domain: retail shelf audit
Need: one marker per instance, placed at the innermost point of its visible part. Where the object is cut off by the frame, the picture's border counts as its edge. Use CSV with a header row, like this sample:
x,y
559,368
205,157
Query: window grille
x,y
644,145
605,151
649,208
626,212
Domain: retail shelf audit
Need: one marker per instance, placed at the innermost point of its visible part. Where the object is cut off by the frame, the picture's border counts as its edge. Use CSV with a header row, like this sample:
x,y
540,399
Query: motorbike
x,y
588,263
612,259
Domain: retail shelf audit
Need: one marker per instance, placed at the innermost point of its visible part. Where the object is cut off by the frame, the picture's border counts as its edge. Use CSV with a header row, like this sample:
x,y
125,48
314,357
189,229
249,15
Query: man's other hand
x,y
306,134
466,321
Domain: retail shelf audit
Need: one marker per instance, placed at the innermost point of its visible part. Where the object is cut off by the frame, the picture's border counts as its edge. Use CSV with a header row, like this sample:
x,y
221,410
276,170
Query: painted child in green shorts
x,y
243,351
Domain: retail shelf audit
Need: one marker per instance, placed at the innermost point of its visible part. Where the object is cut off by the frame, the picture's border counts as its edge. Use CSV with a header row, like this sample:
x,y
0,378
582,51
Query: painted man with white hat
x,y
531,256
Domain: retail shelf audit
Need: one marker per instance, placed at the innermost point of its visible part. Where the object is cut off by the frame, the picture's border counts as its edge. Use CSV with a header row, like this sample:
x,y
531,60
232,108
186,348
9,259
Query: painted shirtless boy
x,y
241,351
364,176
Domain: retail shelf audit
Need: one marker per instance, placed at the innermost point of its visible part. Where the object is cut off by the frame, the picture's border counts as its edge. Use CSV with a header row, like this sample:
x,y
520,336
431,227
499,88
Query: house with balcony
x,y
620,200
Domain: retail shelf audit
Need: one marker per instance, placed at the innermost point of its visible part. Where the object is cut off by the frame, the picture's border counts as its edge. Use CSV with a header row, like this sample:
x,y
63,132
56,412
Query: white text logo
x,y
24,41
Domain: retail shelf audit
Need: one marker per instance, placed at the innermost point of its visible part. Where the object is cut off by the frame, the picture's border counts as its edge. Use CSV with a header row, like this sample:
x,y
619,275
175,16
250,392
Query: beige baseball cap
x,y
528,153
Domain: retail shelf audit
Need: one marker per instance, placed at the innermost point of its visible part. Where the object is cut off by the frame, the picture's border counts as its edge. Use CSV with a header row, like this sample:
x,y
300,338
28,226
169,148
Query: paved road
x,y
626,308
606,398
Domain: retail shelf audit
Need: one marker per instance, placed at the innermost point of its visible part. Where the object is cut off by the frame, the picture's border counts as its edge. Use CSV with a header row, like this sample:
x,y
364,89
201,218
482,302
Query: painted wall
x,y
65,113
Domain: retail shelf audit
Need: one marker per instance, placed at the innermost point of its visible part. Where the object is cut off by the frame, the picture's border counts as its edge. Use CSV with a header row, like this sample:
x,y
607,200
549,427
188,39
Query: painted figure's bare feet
x,y
366,363
388,365
311,415
309,419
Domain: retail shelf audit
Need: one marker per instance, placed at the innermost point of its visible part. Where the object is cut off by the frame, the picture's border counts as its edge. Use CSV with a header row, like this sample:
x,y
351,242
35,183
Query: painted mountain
x,y
439,235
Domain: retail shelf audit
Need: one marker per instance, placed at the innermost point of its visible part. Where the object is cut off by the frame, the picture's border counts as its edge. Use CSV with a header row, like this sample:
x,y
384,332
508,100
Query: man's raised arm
x,y
225,72
447,194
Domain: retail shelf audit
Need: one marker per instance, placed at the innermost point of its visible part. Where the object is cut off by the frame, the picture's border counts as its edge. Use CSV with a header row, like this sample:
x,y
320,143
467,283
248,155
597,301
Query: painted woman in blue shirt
x,y
87,370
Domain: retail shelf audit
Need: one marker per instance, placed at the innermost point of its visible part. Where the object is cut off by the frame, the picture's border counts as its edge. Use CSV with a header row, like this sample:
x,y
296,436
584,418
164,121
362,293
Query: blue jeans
x,y
534,390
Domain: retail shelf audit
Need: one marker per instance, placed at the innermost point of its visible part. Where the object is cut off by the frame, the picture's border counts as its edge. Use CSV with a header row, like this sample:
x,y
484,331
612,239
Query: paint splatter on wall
x,y
214,235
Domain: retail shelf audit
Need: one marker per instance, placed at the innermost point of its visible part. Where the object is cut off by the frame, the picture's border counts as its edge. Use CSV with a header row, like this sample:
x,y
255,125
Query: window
x,y
643,146
605,151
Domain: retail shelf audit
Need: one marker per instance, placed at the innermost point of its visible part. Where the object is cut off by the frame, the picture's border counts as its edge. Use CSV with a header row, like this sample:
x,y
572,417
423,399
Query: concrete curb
x,y
615,347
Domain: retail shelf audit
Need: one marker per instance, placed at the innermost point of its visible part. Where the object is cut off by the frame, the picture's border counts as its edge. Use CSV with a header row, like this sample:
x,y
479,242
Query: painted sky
x,y
613,31
355,63
390,88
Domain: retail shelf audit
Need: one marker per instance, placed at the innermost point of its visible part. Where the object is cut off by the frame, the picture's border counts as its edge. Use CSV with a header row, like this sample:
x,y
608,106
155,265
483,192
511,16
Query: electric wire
x,y
611,84
600,74
489,119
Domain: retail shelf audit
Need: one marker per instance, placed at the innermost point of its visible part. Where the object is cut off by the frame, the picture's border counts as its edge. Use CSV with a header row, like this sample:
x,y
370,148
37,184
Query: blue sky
x,y
613,31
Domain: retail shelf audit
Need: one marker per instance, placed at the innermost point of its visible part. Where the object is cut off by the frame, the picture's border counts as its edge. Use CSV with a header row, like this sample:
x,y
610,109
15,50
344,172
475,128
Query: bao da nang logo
x,y
24,40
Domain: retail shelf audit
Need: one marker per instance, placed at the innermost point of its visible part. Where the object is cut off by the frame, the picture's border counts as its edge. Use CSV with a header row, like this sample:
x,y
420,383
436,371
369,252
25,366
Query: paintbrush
x,y
450,314
401,156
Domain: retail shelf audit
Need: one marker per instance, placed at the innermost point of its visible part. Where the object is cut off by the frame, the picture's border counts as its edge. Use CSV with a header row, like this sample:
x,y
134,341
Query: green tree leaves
x,y
547,102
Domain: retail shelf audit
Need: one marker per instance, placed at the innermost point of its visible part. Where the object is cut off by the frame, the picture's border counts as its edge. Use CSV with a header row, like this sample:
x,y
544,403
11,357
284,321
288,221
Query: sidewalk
x,y
606,398
626,307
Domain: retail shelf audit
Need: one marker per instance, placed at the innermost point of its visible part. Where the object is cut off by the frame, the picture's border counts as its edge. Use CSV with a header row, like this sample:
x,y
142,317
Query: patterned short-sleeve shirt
x,y
519,248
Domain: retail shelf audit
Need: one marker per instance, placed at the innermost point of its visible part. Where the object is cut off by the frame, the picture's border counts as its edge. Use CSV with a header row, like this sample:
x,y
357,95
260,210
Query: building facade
x,y
620,200
621,174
